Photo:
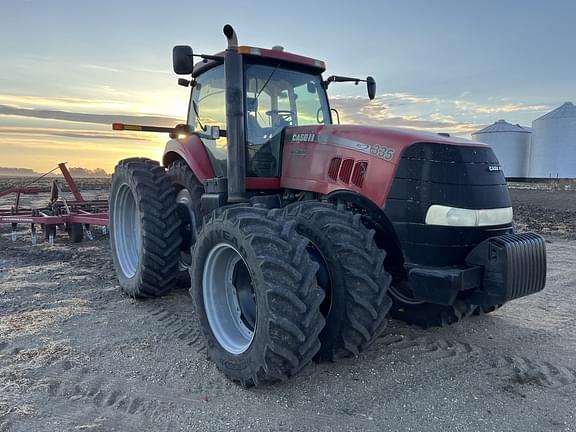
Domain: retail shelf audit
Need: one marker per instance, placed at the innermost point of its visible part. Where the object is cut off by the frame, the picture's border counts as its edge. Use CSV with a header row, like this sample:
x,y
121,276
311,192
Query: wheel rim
x,y
126,222
229,299
188,227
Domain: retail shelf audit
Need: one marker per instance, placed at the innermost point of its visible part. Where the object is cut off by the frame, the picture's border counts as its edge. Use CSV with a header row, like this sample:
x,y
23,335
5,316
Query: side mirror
x,y
211,133
182,59
371,86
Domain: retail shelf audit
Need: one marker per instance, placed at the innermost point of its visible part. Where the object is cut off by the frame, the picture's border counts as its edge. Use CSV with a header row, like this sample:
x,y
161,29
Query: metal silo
x,y
511,143
553,153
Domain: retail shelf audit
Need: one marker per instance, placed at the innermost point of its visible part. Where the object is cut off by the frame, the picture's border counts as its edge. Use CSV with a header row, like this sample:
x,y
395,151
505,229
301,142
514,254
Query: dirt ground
x,y
76,354
545,211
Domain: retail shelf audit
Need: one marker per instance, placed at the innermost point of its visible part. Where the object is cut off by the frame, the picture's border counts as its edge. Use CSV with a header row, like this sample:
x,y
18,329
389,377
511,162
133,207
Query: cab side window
x,y
208,108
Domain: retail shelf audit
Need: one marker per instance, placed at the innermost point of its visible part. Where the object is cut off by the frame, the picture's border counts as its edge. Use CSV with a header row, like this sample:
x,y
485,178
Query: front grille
x,y
451,175
456,176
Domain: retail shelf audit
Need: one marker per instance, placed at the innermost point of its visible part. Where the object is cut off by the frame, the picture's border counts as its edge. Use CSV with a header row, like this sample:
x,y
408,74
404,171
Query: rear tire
x,y
351,273
256,296
144,228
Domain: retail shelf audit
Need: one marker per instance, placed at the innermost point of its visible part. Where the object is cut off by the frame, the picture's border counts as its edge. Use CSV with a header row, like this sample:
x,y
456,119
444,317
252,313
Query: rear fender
x,y
193,152
375,218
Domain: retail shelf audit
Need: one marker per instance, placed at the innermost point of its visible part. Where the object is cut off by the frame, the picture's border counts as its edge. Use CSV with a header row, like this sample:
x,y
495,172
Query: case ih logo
x,y
494,168
303,137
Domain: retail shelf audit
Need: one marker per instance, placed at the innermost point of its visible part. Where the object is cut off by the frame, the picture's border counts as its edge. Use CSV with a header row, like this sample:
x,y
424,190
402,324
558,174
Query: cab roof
x,y
266,54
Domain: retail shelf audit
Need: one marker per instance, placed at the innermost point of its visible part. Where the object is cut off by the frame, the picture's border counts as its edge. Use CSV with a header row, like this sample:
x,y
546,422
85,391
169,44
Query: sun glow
x,y
39,131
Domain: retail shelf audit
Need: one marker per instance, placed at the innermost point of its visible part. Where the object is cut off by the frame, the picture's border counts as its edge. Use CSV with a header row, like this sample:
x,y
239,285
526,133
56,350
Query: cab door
x,y
208,108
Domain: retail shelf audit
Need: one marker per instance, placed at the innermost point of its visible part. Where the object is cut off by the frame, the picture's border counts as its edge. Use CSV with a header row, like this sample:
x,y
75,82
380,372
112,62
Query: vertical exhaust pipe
x,y
233,76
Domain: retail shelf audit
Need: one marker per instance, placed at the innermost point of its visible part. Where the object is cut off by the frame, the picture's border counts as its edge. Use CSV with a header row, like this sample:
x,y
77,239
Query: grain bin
x,y
511,143
553,152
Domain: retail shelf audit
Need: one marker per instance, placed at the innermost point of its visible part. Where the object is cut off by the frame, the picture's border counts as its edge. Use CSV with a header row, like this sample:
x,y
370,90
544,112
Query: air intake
x,y
346,170
334,168
359,173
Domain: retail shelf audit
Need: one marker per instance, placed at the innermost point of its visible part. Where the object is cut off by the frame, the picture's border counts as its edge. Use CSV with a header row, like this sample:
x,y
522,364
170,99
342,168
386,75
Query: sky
x,y
68,69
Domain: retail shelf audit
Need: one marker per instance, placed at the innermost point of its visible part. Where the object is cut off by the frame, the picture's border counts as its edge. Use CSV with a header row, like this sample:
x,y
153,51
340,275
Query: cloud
x,y
398,110
126,70
509,108
66,133
401,109
39,58
21,101
153,71
89,118
100,68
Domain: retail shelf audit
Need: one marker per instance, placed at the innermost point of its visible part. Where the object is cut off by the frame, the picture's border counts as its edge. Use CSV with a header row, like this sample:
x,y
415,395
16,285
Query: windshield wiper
x,y
268,80
195,107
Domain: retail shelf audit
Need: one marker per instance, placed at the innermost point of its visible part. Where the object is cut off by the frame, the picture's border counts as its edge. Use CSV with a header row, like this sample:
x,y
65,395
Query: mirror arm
x,y
210,57
336,78
370,83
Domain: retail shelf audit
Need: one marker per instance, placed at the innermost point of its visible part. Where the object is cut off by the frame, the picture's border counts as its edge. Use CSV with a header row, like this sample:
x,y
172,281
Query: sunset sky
x,y
68,69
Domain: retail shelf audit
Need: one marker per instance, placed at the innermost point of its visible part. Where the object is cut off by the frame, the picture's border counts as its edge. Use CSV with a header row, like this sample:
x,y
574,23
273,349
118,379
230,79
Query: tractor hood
x,y
371,160
383,143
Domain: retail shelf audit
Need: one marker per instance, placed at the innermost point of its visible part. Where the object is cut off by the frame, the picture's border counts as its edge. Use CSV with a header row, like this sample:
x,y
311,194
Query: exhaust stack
x,y
231,36
233,76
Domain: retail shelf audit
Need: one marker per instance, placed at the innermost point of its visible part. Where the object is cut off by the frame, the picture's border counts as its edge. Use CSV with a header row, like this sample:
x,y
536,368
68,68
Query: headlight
x,y
453,216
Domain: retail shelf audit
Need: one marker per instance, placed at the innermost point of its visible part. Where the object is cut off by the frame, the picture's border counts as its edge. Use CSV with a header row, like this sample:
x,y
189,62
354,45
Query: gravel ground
x,y
76,354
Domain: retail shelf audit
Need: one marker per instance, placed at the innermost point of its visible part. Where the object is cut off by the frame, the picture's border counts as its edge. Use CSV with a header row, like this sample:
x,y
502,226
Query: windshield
x,y
277,97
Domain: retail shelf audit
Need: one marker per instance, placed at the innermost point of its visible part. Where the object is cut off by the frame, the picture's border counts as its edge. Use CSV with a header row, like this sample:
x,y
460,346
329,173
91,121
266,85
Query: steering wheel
x,y
281,116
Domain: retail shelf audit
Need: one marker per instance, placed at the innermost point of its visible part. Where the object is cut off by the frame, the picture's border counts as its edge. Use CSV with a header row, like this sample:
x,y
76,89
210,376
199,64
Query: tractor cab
x,y
242,101
277,94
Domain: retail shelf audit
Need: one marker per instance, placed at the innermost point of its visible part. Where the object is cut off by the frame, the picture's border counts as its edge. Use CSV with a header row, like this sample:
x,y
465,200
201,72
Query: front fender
x,y
193,152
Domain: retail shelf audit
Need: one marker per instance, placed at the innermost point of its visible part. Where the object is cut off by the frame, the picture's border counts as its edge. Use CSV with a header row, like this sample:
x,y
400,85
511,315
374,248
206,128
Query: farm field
x,y
77,354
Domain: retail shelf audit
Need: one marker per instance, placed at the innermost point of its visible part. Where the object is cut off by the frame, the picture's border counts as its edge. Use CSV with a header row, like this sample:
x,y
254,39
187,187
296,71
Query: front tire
x,y
351,273
426,315
188,195
484,310
256,296
144,228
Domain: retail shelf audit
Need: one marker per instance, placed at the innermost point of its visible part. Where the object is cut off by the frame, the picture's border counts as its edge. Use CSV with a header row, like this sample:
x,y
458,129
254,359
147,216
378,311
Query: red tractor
x,y
301,236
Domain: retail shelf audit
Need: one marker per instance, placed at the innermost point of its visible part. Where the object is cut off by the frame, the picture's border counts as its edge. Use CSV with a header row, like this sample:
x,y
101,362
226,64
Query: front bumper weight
x,y
514,266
